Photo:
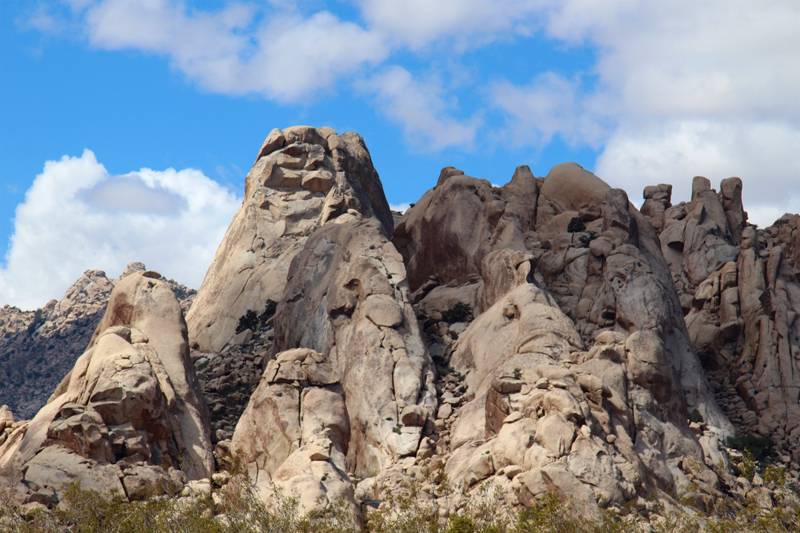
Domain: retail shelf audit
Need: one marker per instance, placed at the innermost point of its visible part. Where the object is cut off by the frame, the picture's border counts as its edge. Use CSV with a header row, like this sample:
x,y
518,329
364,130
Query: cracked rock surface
x,y
543,336
128,420
302,178
38,348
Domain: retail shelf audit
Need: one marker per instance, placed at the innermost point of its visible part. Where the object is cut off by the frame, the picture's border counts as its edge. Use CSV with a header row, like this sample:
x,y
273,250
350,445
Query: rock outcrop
x,y
37,348
302,179
351,387
128,420
541,337
740,293
573,367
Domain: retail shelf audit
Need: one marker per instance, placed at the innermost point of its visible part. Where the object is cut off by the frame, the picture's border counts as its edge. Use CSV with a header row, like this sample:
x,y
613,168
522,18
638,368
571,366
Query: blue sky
x,y
639,93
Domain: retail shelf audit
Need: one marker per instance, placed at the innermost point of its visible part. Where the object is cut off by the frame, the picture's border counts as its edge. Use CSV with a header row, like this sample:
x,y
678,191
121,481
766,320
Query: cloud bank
x,y
76,216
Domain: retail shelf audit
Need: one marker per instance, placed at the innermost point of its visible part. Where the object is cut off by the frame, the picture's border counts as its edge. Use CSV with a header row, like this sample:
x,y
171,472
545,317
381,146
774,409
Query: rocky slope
x,y
128,420
38,348
542,337
303,178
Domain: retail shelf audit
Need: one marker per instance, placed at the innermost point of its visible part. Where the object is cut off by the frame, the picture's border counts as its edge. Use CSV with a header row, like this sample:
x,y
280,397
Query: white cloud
x,y
400,208
763,154
422,109
549,106
469,23
686,88
171,220
678,88
236,50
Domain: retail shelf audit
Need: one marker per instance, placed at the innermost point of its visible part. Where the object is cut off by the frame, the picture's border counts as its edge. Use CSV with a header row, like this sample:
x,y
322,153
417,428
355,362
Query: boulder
x,y
129,408
357,312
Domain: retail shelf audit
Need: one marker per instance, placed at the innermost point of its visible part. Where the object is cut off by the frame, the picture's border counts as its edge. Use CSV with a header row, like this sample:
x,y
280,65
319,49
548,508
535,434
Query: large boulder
x,y
130,406
449,231
38,347
295,433
302,178
352,388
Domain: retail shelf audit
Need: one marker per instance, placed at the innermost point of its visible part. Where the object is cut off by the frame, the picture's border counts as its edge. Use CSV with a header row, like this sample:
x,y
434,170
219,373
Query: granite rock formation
x,y
557,311
740,293
302,179
128,420
38,348
543,336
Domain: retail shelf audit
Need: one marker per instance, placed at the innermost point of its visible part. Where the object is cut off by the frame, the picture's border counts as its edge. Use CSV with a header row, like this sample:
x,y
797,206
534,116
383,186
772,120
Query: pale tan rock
x,y
6,417
357,311
123,402
555,433
294,436
301,179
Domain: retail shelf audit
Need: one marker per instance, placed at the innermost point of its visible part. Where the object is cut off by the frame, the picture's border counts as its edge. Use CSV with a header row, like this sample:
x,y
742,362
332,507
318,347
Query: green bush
x,y
759,447
238,509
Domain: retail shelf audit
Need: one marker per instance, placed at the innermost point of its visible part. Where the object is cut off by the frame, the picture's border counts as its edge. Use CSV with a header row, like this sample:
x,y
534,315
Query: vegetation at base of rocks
x,y
255,322
236,508
759,447
775,475
460,312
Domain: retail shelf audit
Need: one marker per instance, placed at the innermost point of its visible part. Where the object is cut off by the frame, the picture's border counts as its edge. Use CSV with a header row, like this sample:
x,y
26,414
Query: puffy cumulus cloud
x,y
549,106
77,216
422,109
762,153
237,49
685,88
469,23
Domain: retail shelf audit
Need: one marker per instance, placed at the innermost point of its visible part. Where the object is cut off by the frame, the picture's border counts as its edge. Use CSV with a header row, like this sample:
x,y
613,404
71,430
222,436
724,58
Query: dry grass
x,y
237,509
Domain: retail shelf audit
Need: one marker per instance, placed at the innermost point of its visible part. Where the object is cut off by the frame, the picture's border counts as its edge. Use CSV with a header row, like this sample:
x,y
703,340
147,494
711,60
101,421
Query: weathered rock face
x,y
566,358
449,231
295,433
740,293
127,420
357,312
598,425
351,387
589,248
37,348
302,178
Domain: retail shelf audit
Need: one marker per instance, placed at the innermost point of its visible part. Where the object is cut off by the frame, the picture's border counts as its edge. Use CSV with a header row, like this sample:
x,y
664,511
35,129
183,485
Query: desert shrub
x,y
759,447
237,508
775,474
460,312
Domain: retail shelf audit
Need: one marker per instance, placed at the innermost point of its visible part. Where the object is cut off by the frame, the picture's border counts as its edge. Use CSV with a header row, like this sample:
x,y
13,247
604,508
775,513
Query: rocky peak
x,y
303,178
37,348
128,420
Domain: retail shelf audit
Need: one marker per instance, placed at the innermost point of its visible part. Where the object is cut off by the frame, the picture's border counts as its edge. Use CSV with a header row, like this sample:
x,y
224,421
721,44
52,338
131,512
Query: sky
x,y
127,126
